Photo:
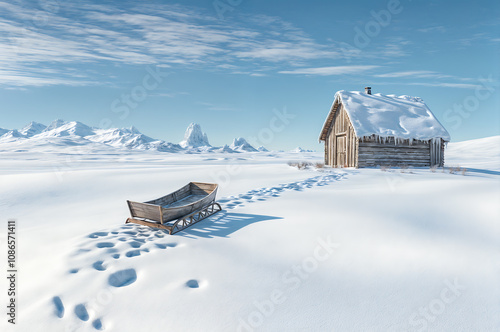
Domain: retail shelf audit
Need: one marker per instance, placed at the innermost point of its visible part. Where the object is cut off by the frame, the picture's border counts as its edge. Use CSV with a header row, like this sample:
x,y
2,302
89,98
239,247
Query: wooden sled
x,y
178,210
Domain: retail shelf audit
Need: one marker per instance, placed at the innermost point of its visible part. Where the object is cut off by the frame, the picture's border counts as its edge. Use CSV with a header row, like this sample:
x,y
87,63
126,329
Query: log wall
x,y
386,152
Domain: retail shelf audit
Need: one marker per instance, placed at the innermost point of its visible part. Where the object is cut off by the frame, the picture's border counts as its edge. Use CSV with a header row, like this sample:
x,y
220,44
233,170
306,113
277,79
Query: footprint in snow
x,y
99,266
59,310
135,244
133,253
192,283
122,278
81,312
97,324
165,245
105,245
97,234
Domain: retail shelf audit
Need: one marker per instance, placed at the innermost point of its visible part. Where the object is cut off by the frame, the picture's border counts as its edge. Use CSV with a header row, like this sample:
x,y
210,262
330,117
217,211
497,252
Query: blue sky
x,y
233,65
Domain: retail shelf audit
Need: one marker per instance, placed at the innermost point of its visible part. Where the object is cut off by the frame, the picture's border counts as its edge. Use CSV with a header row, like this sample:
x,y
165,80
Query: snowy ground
x,y
343,250
479,154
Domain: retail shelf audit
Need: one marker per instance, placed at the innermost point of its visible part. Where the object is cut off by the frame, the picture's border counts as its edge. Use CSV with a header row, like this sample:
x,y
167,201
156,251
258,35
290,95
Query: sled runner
x,y
178,210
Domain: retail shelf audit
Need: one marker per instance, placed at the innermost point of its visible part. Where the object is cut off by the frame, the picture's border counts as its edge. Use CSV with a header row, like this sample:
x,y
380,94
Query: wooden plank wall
x,y
341,125
437,152
327,150
331,146
373,153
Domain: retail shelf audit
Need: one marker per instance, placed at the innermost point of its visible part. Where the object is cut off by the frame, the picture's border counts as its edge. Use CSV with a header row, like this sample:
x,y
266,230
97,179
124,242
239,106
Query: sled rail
x,y
183,222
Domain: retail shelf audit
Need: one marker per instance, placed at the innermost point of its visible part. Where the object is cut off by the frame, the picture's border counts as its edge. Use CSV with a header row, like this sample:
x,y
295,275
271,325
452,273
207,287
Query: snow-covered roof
x,y
386,116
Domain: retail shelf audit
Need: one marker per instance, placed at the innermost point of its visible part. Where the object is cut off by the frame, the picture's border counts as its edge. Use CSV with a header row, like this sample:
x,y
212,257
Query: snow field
x,y
292,250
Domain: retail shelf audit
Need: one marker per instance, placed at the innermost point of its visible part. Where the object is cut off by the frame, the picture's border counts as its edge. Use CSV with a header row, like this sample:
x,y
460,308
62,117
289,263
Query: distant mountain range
x,y
195,140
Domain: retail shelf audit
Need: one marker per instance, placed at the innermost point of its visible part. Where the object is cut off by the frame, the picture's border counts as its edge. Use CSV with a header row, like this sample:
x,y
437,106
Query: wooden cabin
x,y
365,130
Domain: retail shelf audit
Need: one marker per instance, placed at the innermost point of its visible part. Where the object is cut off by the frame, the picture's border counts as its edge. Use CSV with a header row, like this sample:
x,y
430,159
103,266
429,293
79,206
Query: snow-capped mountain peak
x,y
60,128
299,150
124,137
54,124
134,130
240,144
225,149
32,128
11,135
194,137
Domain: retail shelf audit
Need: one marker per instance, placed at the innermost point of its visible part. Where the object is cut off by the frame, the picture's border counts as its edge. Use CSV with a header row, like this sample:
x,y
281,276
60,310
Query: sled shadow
x,y
223,224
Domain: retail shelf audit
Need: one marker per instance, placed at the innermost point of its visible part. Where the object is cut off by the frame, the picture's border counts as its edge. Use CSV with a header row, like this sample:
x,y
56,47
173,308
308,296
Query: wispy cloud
x,y
414,74
12,78
438,79
167,94
168,35
452,85
393,50
448,85
328,71
474,39
217,108
436,28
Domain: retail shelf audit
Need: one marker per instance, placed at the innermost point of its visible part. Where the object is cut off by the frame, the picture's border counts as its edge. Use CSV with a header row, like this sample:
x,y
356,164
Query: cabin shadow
x,y
223,224
482,171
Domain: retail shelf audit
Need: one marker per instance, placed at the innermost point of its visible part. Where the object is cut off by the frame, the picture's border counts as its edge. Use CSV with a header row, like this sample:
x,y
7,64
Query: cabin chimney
x,y
368,90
